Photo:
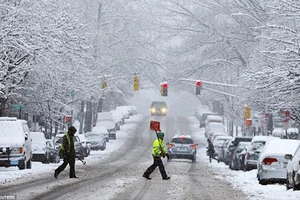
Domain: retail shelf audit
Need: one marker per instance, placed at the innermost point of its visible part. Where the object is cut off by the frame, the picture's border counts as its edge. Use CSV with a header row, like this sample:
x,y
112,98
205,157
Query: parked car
x,y
223,152
293,170
271,166
213,128
202,115
182,147
252,155
232,147
40,150
256,147
118,117
124,110
101,129
85,144
213,118
106,119
220,136
239,153
132,110
15,143
158,108
79,150
53,152
96,139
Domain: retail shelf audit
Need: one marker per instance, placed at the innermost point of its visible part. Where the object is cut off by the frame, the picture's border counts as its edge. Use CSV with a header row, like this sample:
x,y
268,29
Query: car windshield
x,y
158,104
182,141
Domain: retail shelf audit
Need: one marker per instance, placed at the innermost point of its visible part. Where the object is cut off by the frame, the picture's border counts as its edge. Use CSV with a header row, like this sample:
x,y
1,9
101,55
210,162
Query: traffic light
x,y
164,89
198,87
247,112
136,83
104,84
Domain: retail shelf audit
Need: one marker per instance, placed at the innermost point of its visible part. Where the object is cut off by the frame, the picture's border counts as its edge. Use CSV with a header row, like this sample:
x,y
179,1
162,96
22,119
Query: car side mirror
x,y
288,156
26,137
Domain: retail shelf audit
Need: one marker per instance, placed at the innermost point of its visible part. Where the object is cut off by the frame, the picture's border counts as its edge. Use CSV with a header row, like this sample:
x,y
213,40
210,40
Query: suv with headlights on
x,y
158,108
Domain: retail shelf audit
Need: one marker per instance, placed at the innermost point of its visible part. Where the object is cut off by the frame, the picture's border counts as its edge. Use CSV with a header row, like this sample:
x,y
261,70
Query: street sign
x,y
18,106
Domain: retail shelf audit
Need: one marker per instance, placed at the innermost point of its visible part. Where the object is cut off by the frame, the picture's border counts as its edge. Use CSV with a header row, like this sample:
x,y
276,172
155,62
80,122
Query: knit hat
x,y
160,135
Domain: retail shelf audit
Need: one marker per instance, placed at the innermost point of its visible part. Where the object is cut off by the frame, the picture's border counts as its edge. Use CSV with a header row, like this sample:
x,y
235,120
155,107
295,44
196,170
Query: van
x,y
15,143
106,119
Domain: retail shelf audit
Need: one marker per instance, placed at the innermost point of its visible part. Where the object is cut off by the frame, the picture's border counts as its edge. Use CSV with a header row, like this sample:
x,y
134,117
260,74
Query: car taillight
x,y
194,146
269,161
171,145
20,150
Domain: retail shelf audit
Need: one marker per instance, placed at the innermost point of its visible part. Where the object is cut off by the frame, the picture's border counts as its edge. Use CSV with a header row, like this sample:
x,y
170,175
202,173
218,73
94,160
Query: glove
x,y
168,156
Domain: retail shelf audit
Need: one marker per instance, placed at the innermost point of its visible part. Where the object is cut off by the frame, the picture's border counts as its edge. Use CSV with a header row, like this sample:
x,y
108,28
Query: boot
x,y
166,178
55,174
147,177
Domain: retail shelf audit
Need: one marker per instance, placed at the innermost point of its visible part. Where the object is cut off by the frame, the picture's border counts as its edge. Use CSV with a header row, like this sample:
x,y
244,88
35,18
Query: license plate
x,y
284,165
14,162
182,148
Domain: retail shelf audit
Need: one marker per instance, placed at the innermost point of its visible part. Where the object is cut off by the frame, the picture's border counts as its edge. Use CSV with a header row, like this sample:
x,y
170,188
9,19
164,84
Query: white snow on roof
x,y
280,147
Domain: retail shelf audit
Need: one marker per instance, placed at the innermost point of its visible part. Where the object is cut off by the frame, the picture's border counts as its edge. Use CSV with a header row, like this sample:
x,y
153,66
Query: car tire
x,y
262,182
21,165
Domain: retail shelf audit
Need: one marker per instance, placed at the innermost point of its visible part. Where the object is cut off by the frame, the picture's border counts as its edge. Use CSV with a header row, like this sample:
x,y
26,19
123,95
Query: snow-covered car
x,y
123,110
182,147
213,128
238,156
15,143
53,152
230,150
213,118
293,170
223,152
85,145
110,125
271,166
158,108
118,118
202,116
132,110
40,150
96,140
101,130
257,145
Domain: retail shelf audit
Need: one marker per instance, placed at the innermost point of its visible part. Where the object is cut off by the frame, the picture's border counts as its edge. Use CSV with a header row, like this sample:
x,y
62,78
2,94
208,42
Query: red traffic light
x,y
198,83
165,85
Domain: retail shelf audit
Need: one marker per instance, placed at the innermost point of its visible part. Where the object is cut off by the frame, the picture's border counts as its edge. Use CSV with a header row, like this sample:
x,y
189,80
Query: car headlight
x,y
164,110
153,109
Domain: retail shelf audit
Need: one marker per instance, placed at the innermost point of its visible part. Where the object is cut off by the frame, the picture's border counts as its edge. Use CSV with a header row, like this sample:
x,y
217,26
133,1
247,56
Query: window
x,y
182,141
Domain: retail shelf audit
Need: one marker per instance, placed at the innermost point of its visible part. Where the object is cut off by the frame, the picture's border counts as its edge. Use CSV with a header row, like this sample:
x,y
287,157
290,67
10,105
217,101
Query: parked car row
x,y
276,160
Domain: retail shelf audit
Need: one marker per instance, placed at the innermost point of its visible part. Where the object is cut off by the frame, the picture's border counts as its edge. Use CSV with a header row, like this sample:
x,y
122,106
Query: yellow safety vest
x,y
62,147
158,148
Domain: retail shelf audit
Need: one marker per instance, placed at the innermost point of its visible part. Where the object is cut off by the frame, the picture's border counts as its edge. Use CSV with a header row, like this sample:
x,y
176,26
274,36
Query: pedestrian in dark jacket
x,y
68,153
210,150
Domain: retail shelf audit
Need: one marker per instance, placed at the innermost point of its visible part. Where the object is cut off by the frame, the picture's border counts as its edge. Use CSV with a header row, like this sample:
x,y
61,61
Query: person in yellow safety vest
x,y
68,153
158,151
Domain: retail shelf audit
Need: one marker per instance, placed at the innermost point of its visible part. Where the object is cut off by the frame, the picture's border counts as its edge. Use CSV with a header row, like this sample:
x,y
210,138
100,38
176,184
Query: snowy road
x,y
119,174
